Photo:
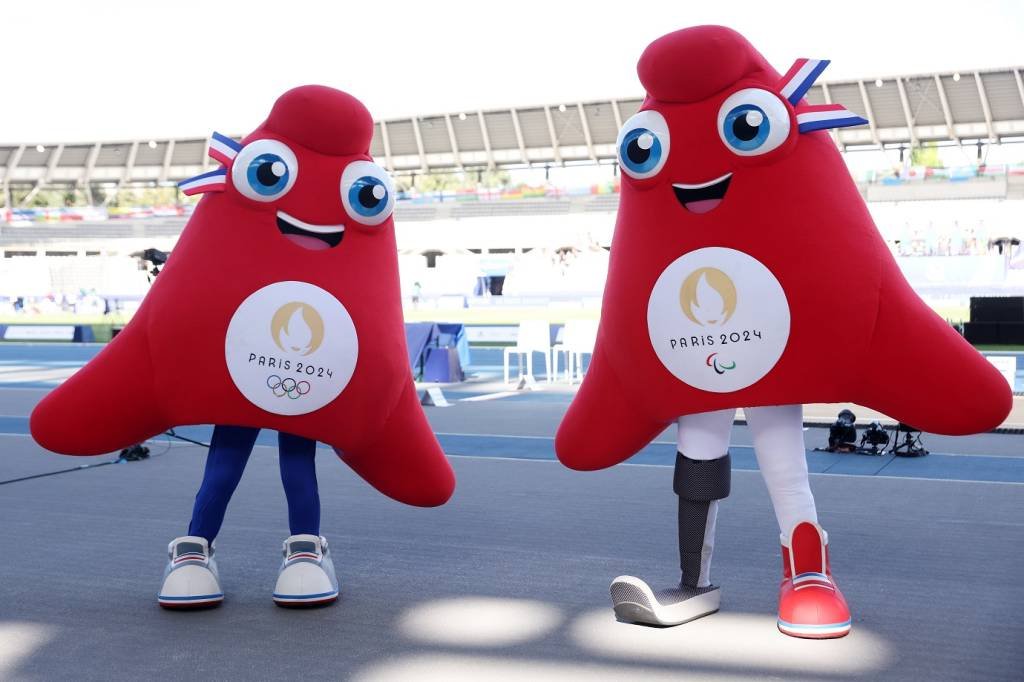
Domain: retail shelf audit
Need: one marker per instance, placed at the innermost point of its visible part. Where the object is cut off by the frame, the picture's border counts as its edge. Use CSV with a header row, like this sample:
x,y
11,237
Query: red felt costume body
x,y
857,331
168,366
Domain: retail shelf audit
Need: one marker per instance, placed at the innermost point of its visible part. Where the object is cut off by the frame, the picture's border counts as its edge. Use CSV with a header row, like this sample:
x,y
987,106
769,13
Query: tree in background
x,y
926,155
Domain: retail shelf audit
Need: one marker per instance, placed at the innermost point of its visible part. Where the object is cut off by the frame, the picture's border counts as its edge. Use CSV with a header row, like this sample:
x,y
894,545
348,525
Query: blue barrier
x,y
437,351
418,337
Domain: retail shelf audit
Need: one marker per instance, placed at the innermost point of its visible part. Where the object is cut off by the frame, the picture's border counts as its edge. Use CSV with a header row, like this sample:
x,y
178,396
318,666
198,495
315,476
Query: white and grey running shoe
x,y
635,602
307,575
190,579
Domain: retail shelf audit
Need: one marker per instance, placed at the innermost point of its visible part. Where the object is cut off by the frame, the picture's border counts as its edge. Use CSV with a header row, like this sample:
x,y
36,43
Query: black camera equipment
x,y
874,441
911,445
842,435
134,453
154,256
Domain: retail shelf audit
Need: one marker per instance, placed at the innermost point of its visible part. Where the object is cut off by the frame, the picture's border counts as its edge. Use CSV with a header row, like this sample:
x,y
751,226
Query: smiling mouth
x,y
308,235
703,197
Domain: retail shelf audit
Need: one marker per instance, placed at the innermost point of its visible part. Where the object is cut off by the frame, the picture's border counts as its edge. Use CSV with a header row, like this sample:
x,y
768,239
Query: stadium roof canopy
x,y
970,106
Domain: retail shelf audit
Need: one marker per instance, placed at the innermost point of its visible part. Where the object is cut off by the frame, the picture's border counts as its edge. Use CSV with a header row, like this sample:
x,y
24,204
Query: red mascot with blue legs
x,y
279,308
739,227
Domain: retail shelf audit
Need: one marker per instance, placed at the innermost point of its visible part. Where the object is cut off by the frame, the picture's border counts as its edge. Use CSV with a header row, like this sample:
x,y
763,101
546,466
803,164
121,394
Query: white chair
x,y
534,337
578,339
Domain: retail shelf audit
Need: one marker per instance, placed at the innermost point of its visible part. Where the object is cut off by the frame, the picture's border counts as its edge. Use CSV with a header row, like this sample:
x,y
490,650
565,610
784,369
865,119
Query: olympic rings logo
x,y
287,387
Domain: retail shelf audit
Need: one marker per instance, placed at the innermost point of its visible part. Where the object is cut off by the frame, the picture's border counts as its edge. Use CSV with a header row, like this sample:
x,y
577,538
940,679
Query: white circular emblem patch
x,y
291,348
718,319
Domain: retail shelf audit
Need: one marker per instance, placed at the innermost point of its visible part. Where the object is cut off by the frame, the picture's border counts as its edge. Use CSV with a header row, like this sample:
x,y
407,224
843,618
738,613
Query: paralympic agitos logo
x,y
719,366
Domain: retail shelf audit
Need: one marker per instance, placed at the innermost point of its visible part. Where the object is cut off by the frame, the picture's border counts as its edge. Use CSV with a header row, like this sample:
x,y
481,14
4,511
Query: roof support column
x,y
419,143
586,131
487,139
947,113
519,137
386,141
454,143
551,132
165,168
985,107
907,116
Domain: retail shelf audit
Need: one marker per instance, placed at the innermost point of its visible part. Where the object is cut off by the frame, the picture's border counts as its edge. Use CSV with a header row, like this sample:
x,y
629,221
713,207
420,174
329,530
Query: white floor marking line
x,y
489,396
547,460
740,447
628,464
46,389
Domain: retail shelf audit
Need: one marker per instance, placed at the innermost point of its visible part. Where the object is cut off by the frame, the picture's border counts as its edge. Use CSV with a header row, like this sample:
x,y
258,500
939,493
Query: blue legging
x,y
230,448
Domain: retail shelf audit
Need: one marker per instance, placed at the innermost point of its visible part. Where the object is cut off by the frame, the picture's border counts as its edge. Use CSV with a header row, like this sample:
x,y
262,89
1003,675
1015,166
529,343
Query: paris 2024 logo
x,y
718,319
291,348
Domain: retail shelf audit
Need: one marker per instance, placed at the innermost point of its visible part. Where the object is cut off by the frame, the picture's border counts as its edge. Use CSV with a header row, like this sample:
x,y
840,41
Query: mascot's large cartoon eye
x,y
367,192
752,122
264,170
643,145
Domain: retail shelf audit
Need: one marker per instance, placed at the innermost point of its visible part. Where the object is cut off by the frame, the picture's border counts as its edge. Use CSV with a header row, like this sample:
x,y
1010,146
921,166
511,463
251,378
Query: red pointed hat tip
x,y
694,63
323,119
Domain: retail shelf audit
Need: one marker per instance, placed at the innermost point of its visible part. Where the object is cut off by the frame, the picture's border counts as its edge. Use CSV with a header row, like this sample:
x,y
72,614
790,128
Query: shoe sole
x,y
634,602
833,631
189,604
296,602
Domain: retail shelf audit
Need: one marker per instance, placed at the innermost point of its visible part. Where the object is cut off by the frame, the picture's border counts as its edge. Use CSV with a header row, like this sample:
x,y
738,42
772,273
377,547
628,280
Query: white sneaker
x,y
307,574
635,602
190,579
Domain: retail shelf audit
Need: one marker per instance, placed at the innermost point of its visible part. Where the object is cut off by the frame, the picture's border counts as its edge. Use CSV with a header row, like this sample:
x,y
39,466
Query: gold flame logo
x,y
297,328
708,297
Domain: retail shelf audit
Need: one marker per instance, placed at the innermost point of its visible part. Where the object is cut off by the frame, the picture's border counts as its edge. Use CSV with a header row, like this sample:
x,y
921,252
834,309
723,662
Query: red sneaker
x,y
810,603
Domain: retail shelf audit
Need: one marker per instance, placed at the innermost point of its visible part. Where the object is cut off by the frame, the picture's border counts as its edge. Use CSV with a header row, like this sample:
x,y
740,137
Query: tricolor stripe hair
x,y
207,182
223,149
809,117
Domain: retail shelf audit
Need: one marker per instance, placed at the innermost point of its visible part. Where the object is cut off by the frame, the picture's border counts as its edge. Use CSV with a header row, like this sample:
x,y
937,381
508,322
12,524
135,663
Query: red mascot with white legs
x,y
739,228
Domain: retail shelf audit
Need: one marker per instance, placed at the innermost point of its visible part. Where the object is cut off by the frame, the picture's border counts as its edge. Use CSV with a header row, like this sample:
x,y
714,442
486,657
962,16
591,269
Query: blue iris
x,y
640,150
368,196
746,127
268,174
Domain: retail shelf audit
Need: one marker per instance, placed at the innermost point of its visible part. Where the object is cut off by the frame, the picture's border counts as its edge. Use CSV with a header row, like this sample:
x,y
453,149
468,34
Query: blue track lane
x,y
935,466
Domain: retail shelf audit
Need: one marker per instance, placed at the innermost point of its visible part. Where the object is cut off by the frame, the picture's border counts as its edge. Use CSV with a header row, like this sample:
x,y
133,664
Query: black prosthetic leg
x,y
699,484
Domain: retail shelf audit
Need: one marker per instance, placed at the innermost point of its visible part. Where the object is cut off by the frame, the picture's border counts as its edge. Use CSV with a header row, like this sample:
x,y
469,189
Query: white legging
x,y
779,447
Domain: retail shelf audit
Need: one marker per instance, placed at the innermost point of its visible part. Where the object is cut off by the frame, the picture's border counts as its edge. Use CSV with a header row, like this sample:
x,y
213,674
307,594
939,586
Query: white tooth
x,y
702,185
309,227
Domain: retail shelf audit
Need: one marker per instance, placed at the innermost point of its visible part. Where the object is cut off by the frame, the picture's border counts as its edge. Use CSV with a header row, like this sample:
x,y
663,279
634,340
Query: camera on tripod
x,y
874,440
156,257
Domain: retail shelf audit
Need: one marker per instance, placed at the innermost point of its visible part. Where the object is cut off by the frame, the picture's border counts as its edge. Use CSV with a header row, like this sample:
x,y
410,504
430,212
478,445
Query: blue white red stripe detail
x,y
191,556
303,555
223,148
812,580
813,117
193,598
213,181
827,629
306,597
800,77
